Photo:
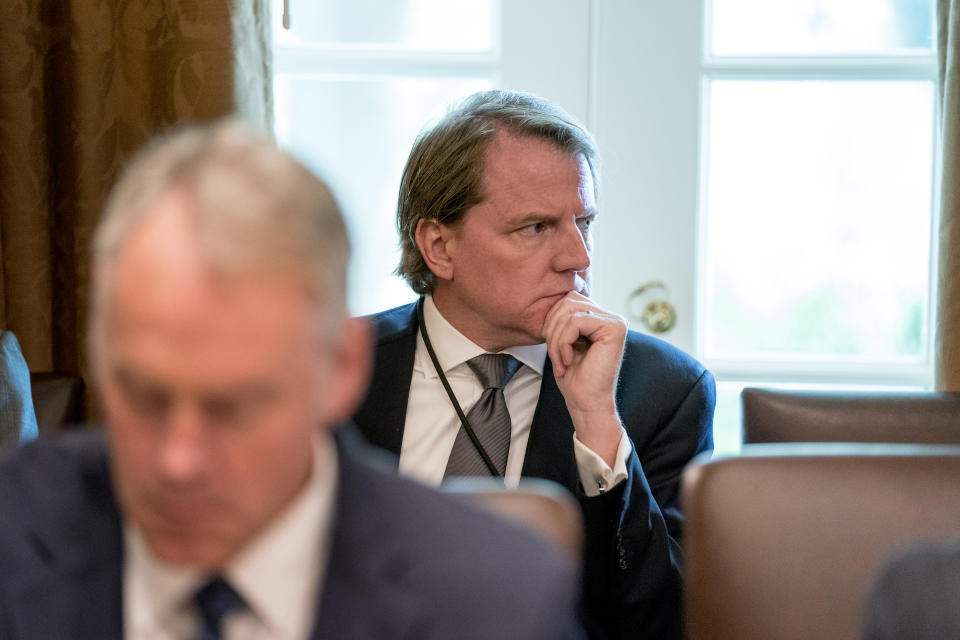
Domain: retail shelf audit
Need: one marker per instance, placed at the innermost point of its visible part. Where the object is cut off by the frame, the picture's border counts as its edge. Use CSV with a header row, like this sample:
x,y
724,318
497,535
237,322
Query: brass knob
x,y
658,315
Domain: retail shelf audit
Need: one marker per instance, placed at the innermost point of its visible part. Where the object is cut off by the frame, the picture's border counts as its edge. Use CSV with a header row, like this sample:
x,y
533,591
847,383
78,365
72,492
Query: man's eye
x,y
146,400
585,223
221,410
535,228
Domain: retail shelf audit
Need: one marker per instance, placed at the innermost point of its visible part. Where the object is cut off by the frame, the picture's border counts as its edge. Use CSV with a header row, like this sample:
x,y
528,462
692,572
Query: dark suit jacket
x,y
403,558
666,401
916,596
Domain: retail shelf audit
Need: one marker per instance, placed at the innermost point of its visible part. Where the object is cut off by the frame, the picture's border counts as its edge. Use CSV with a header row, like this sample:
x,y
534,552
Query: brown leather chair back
x,y
544,507
846,416
782,541
57,400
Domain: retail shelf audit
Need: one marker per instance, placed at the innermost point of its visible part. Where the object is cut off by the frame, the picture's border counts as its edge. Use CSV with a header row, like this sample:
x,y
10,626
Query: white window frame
x,y
817,370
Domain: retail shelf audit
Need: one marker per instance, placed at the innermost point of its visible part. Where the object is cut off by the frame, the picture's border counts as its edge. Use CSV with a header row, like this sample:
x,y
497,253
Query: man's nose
x,y
183,448
573,254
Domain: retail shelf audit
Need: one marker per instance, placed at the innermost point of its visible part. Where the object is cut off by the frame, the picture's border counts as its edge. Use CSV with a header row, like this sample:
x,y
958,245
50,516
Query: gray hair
x,y
443,177
255,207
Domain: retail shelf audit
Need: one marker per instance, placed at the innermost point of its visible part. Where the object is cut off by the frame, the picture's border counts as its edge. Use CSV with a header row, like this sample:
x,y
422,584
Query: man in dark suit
x,y
216,504
495,208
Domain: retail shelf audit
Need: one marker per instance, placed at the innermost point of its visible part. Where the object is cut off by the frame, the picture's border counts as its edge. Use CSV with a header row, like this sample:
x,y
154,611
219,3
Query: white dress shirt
x,y
279,574
432,424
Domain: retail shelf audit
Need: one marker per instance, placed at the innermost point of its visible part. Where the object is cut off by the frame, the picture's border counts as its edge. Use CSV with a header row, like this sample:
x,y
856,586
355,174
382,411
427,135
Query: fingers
x,y
574,325
560,333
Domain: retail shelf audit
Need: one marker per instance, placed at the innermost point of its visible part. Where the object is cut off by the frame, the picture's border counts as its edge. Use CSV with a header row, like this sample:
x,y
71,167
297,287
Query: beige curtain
x,y
948,305
82,84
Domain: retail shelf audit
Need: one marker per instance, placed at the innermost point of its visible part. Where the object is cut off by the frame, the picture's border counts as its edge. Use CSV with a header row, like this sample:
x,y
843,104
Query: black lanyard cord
x,y
453,399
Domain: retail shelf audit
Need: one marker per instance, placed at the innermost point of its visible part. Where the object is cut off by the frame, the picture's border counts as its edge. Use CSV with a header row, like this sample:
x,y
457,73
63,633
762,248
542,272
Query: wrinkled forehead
x,y
504,140
525,165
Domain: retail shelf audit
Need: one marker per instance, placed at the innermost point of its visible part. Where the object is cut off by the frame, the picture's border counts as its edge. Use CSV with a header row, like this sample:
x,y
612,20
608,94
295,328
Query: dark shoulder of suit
x,y
438,567
60,541
666,400
655,376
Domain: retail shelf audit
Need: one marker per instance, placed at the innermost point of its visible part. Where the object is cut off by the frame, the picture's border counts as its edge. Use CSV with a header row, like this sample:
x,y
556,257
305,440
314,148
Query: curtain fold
x,y
83,83
253,61
948,301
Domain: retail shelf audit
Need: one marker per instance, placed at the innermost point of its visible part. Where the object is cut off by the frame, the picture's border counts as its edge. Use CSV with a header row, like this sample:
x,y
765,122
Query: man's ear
x,y
352,367
432,239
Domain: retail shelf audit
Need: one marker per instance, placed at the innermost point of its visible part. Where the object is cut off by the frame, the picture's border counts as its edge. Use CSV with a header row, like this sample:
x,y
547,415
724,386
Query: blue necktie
x,y
215,600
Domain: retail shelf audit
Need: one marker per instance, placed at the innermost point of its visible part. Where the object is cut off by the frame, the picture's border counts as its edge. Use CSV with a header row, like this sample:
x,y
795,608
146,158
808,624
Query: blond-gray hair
x,y
443,177
255,207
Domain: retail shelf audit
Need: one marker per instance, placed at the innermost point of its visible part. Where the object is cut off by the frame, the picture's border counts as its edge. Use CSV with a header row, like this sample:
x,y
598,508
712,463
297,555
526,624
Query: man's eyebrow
x,y
245,391
128,376
256,389
529,218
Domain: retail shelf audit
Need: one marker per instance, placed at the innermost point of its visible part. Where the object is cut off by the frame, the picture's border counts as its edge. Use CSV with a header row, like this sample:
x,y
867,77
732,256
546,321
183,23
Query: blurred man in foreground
x,y
218,504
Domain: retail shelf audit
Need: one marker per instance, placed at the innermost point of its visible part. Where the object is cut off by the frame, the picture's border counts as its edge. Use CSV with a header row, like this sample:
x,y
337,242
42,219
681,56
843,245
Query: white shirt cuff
x,y
596,476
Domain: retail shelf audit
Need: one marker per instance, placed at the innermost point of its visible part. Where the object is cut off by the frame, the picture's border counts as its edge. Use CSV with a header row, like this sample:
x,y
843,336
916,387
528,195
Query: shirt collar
x,y
279,574
453,348
154,591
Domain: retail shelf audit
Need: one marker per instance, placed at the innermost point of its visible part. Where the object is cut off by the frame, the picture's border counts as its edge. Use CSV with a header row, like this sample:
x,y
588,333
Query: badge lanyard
x,y
453,399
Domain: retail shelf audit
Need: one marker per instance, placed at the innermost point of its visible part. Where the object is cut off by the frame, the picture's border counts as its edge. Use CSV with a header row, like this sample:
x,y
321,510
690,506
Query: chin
x,y
202,555
201,552
534,332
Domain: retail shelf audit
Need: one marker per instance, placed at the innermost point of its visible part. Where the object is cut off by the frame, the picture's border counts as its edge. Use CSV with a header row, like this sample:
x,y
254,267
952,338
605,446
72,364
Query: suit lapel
x,y
76,589
82,603
550,446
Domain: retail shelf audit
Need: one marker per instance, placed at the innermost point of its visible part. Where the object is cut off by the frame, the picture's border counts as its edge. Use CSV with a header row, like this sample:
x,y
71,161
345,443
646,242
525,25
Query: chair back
x,y
850,416
57,400
542,506
782,542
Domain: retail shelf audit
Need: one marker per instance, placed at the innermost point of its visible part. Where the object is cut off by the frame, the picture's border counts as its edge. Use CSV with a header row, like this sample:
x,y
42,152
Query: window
x,y
817,183
350,95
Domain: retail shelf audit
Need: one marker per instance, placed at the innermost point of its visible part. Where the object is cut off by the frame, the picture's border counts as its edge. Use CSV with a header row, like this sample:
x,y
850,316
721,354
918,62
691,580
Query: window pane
x,y
464,25
818,215
356,134
761,27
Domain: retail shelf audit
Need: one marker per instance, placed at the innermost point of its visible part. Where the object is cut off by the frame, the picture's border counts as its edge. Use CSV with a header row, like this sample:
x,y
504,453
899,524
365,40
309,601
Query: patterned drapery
x,y
83,83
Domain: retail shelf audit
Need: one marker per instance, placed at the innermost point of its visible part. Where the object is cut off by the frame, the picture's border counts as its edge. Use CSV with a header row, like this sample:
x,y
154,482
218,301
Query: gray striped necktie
x,y
488,417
